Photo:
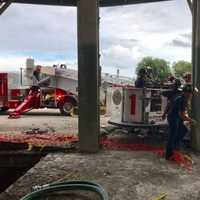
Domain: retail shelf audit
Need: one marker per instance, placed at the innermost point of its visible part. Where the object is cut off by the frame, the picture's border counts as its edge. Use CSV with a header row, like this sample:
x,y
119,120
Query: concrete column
x,y
88,74
194,32
196,73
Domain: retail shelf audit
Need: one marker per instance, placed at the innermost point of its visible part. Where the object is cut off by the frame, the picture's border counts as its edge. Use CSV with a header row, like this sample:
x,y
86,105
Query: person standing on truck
x,y
36,75
145,78
141,78
176,116
39,81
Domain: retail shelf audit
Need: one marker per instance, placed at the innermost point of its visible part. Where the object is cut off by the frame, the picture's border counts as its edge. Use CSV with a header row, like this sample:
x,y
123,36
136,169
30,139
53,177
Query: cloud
x,y
183,40
125,42
187,35
38,28
127,33
121,56
181,43
9,63
14,63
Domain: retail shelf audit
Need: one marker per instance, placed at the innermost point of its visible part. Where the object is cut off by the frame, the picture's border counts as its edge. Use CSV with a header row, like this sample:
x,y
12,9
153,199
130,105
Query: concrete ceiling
x,y
74,2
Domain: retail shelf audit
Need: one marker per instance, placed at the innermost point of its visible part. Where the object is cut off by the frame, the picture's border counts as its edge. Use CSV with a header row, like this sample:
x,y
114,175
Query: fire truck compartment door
x,y
133,105
3,89
116,104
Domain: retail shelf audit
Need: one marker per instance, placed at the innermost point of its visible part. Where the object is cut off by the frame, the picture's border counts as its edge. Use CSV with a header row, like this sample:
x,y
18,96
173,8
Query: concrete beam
x,y
196,72
107,3
88,74
74,2
48,2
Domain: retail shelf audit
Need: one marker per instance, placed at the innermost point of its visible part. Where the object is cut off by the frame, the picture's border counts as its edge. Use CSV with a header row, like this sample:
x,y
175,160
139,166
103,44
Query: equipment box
x,y
135,105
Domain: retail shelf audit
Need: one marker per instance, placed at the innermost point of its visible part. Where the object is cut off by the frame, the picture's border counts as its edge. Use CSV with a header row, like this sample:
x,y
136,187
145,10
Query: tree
x,y
181,67
160,67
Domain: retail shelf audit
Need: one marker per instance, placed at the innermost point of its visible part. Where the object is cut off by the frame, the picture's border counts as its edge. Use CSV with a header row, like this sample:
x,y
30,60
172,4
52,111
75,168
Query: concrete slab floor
x,y
124,175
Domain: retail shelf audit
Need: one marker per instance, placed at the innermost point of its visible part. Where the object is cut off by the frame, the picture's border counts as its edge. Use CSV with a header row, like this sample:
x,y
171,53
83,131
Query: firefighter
x,y
36,75
187,78
171,79
177,115
141,79
175,90
39,81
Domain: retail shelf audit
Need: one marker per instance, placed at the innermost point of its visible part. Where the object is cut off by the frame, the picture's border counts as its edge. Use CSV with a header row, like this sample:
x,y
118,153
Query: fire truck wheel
x,y
67,108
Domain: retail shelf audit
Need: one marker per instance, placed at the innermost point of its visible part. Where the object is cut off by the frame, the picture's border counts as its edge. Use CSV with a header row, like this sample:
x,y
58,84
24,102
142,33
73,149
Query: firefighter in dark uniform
x,y
177,114
187,78
170,94
141,79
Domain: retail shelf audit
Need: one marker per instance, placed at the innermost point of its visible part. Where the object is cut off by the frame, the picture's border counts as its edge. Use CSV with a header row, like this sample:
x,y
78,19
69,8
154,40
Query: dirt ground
x,y
125,175
44,119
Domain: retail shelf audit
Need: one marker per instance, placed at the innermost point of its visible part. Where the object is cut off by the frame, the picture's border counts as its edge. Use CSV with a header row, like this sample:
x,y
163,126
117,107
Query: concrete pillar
x,y
196,73
88,74
194,31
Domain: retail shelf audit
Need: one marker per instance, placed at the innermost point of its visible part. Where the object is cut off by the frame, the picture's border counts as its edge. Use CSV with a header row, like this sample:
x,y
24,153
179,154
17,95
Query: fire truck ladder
x,y
4,5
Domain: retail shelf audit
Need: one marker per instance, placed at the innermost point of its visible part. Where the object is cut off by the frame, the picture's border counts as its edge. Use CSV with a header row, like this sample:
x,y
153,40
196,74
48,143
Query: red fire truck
x,y
24,99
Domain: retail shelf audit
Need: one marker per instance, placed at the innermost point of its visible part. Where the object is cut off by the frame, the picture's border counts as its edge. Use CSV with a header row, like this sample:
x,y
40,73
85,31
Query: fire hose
x,y
67,186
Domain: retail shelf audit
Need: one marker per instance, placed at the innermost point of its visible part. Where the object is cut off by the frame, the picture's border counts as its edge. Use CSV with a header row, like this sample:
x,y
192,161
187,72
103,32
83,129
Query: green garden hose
x,y
67,185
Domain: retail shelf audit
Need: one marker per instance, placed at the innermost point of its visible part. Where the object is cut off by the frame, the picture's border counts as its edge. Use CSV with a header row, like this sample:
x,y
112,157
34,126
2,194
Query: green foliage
x,y
181,67
160,67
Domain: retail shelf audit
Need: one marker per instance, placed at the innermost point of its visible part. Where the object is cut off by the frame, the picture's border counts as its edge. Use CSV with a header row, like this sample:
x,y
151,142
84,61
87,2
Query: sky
x,y
127,34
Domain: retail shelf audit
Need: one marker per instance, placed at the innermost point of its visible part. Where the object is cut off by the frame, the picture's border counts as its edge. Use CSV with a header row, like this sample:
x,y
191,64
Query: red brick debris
x,y
39,139
182,160
108,143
